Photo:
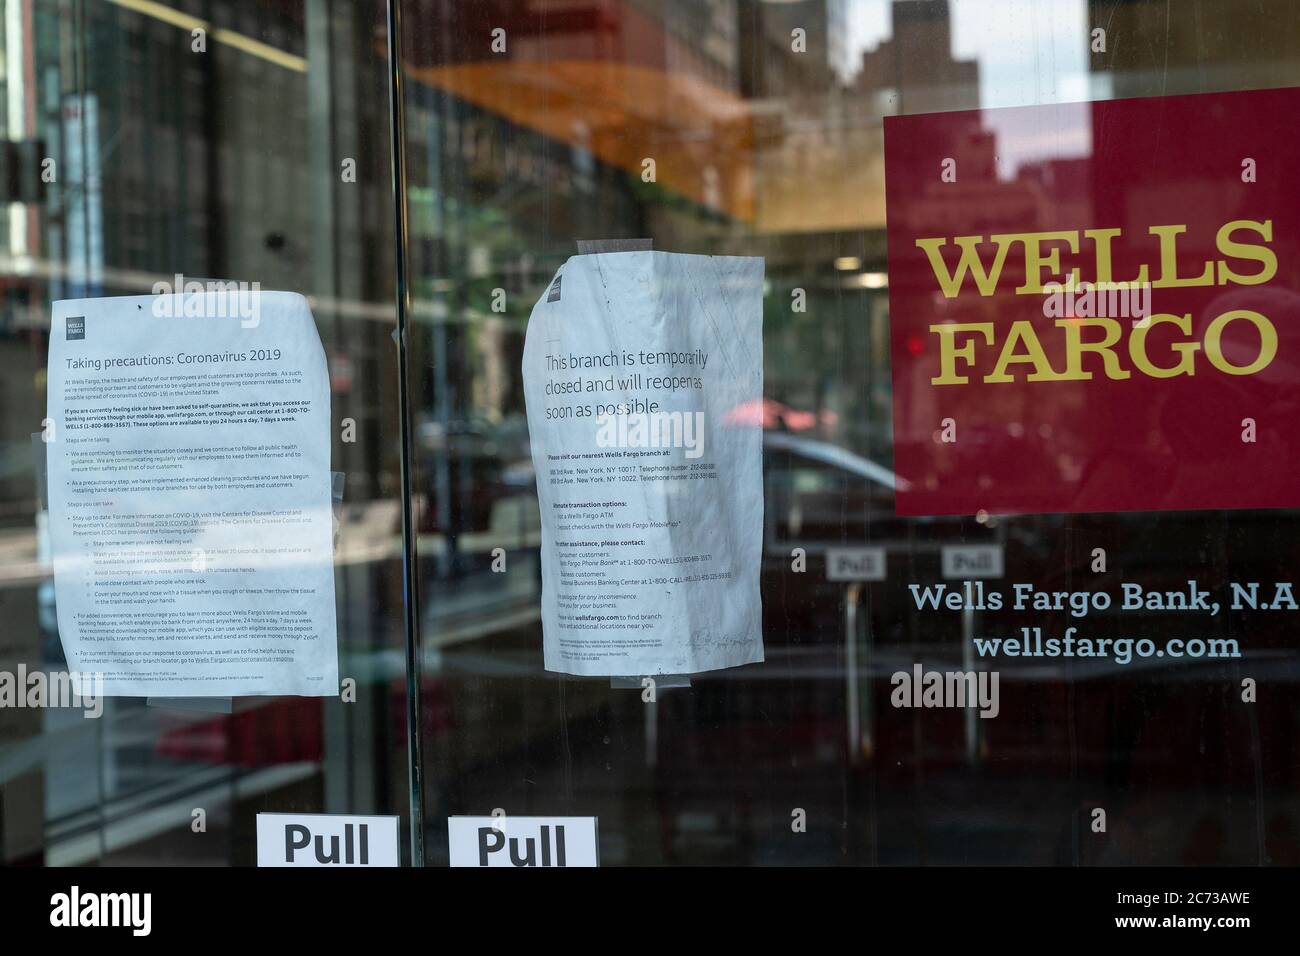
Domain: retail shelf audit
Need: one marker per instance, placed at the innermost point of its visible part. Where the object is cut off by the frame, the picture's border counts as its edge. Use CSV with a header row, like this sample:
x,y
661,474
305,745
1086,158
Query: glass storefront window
x,y
251,141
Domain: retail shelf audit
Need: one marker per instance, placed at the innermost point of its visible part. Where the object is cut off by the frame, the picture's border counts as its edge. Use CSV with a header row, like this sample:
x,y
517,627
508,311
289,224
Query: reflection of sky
x,y
1029,51
868,24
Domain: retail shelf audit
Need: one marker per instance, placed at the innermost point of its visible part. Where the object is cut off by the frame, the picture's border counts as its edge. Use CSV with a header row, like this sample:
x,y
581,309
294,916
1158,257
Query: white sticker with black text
x,y
326,839
523,841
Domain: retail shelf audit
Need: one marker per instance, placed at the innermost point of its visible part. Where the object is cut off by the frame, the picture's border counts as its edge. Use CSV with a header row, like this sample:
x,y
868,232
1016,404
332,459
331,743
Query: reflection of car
x,y
819,496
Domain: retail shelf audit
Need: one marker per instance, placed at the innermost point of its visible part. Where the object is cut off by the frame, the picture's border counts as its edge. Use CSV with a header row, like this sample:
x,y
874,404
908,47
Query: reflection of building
x,y
700,38
749,136
913,71
819,186
770,64
819,165
225,162
1218,46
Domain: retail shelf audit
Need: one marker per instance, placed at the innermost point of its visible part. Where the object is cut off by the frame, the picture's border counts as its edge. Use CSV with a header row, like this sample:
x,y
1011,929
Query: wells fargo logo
x,y
1096,306
1003,354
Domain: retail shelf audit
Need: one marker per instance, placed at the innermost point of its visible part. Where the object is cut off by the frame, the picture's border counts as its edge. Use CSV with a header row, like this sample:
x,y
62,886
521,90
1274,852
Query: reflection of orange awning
x,y
699,136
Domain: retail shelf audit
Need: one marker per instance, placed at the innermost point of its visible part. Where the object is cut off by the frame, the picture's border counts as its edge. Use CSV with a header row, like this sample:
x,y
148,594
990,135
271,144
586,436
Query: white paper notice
x,y
188,449
641,372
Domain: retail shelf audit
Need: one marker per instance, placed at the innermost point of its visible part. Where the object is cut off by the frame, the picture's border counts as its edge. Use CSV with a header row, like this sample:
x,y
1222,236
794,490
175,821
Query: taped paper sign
x,y
188,450
639,369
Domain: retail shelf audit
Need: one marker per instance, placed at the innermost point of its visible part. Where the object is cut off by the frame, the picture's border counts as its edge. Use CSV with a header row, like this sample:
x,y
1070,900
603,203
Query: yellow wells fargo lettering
x,y
1118,349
